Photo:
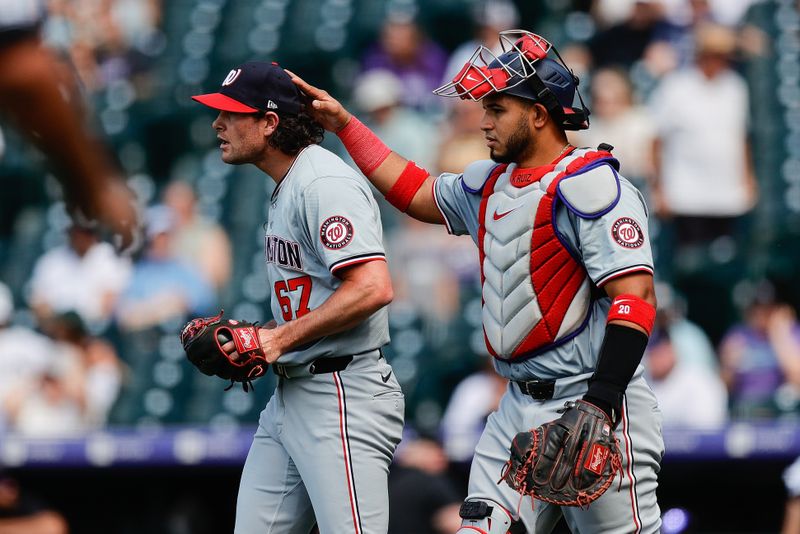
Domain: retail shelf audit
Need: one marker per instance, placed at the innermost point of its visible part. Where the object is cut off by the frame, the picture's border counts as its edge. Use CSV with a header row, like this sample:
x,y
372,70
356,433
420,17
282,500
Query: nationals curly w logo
x,y
336,232
231,77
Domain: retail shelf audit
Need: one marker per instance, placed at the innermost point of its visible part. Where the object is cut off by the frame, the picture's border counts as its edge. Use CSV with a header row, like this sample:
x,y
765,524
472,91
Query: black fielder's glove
x,y
202,339
570,461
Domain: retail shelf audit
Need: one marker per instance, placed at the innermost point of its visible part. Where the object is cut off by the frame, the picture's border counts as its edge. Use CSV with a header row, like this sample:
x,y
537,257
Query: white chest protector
x,y
536,293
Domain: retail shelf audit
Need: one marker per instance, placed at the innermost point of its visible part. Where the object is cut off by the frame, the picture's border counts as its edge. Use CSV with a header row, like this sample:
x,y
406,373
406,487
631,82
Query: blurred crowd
x,y
667,83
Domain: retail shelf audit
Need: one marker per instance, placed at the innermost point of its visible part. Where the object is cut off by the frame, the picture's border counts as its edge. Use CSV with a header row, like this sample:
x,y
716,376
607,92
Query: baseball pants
x,y
322,453
628,506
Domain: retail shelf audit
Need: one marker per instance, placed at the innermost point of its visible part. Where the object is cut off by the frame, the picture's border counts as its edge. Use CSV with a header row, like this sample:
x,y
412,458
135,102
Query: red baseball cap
x,y
255,86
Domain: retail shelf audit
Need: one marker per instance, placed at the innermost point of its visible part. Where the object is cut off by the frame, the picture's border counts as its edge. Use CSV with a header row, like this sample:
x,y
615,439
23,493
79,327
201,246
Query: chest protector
x,y
536,292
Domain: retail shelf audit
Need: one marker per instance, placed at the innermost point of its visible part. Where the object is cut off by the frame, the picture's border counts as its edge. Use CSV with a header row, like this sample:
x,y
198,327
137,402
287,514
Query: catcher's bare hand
x,y
324,109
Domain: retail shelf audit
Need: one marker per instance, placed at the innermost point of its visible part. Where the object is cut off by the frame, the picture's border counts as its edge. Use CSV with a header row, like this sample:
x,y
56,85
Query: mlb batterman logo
x,y
336,232
627,233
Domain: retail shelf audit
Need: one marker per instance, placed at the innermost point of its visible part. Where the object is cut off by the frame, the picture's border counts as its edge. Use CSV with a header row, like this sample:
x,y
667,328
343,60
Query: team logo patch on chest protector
x,y
536,294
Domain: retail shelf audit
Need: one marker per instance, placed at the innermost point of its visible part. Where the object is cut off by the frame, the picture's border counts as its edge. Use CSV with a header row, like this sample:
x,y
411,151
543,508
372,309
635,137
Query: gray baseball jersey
x,y
548,237
323,217
324,444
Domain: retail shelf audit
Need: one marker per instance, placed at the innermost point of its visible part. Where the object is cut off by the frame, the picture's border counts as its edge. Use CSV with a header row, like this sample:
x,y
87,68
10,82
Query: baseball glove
x,y
570,461
202,339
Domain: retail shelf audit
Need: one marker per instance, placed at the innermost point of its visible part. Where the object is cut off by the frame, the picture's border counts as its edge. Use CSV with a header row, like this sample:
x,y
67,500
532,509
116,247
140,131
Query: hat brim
x,y
223,103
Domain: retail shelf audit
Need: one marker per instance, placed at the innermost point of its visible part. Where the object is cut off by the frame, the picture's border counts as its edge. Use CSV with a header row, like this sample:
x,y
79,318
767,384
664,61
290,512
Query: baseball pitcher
x,y
325,441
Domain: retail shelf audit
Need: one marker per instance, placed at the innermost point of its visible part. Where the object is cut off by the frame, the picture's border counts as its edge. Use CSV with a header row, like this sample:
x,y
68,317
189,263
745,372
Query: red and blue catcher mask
x,y
523,70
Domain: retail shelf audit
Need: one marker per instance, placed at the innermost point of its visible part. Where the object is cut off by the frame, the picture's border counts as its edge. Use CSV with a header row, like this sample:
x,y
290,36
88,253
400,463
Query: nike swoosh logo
x,y
497,215
386,378
471,78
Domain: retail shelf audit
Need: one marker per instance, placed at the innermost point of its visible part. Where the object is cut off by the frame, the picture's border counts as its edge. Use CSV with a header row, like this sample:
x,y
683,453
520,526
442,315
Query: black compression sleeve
x,y
620,354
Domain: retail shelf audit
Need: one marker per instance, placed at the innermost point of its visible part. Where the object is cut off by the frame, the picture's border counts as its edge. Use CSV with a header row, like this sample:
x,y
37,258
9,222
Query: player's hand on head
x,y
325,109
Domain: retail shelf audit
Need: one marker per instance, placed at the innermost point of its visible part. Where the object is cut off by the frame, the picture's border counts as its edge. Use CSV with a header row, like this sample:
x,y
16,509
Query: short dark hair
x,y
295,132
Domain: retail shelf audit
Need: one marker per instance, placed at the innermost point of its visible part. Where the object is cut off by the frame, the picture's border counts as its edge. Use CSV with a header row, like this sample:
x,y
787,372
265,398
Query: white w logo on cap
x,y
231,77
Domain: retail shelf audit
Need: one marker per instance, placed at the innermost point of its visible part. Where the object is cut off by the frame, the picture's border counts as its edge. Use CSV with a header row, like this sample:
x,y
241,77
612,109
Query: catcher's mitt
x,y
570,461
202,339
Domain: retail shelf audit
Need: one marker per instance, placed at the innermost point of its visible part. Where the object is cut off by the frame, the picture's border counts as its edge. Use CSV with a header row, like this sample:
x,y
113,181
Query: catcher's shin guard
x,y
485,517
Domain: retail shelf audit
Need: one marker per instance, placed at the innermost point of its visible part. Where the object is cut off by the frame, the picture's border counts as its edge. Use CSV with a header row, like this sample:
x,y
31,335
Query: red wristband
x,y
366,149
633,309
402,192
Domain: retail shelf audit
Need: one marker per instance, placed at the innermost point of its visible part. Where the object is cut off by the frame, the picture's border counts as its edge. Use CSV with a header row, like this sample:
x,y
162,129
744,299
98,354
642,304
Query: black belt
x,y
537,389
317,367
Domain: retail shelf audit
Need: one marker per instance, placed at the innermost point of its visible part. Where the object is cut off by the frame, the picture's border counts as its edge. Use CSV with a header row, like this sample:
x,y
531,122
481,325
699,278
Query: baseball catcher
x,y
203,340
570,461
568,302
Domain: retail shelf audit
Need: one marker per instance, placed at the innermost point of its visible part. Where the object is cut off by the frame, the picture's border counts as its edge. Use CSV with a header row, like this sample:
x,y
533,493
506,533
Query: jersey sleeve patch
x,y
336,232
476,174
627,233
592,192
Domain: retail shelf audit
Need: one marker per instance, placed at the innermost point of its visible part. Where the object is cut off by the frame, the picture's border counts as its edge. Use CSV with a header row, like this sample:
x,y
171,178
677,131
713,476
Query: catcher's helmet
x,y
523,70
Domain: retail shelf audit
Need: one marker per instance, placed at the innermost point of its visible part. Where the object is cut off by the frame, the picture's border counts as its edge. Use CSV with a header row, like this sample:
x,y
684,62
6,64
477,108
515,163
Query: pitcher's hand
x,y
323,108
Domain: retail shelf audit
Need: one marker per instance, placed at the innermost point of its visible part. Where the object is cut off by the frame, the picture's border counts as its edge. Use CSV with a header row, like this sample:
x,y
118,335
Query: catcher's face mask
x,y
523,70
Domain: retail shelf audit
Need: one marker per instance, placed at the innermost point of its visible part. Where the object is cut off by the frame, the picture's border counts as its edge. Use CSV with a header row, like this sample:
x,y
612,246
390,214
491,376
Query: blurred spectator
x,y
620,121
105,40
84,275
23,513
137,20
489,18
429,269
791,513
691,344
688,395
162,287
197,239
624,42
462,139
682,368
471,402
704,175
422,499
409,54
679,36
52,401
47,407
24,354
378,93
760,358
98,373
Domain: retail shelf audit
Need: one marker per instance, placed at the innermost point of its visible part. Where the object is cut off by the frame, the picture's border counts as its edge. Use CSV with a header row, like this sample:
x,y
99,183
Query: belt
x,y
317,367
537,389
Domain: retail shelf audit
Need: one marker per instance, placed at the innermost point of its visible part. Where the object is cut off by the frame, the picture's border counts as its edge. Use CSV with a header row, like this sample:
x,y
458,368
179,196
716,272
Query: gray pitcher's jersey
x,y
606,246
322,217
